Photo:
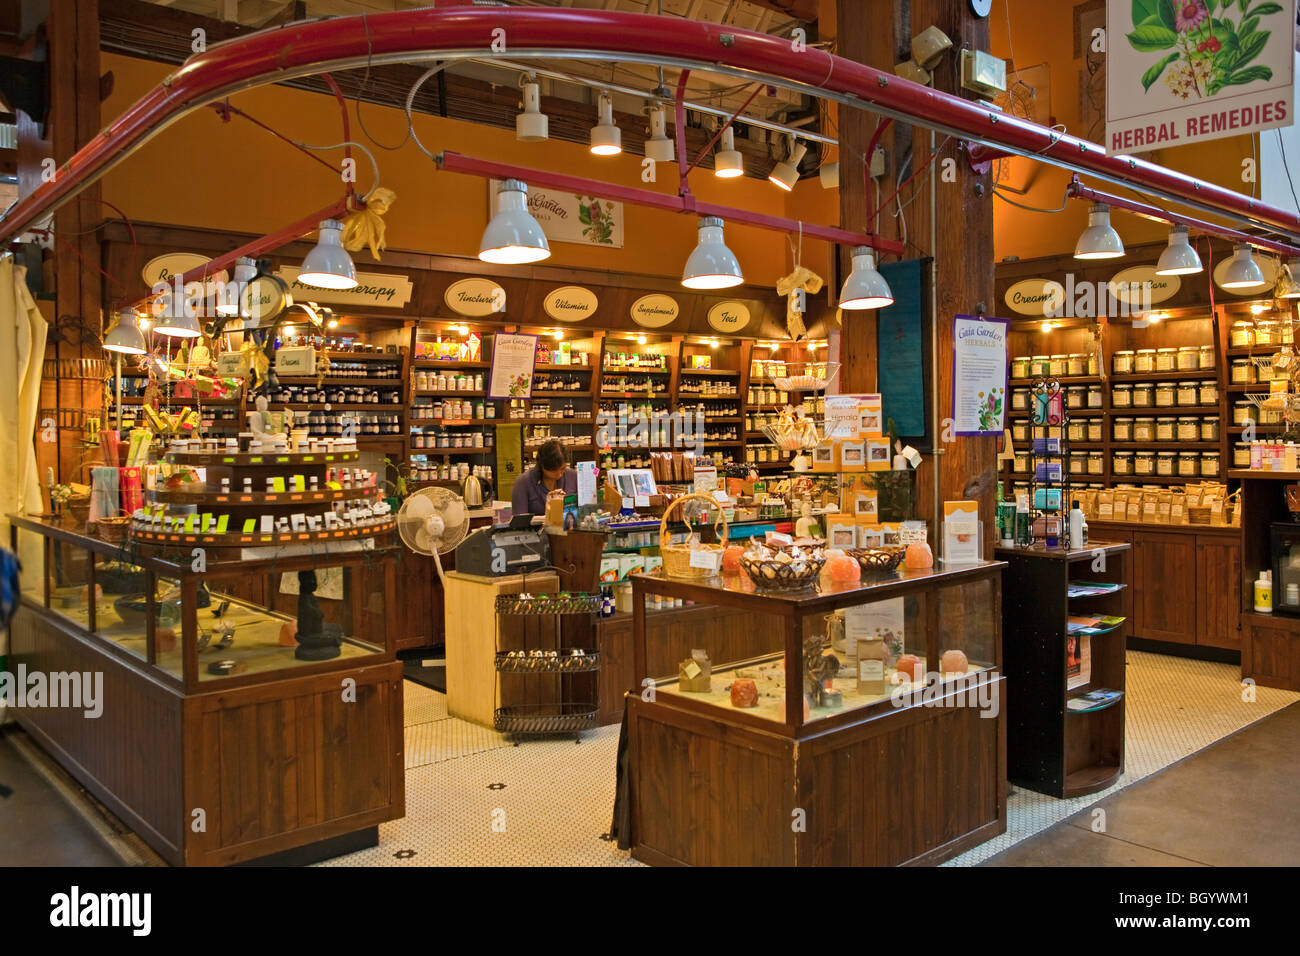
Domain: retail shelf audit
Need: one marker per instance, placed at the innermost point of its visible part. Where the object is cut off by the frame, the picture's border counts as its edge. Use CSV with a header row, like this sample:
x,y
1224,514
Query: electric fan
x,y
432,521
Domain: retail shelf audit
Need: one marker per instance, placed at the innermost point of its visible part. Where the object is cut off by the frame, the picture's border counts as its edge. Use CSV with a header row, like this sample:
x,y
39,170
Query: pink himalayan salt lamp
x,y
842,568
731,558
165,638
744,693
288,634
918,556
910,665
954,663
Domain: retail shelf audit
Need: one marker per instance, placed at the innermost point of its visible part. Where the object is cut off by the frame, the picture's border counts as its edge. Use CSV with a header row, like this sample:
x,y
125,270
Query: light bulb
x,y
727,161
606,138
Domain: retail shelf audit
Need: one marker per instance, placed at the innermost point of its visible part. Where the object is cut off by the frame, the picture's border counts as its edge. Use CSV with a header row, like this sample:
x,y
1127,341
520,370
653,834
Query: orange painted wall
x,y
204,173
1044,32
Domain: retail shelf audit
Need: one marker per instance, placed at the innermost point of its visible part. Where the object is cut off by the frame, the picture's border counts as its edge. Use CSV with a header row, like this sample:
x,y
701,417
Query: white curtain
x,y
22,351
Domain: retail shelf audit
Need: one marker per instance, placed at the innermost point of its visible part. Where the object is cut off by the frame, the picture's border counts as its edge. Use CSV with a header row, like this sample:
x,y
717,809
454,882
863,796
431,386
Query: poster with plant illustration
x,y
513,357
979,375
1183,71
565,217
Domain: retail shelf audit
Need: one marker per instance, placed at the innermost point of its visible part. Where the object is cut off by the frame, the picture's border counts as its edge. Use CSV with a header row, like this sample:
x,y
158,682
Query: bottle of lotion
x,y
1264,593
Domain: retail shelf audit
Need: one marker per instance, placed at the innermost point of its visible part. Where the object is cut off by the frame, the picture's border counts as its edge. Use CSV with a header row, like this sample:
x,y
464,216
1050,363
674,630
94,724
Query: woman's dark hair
x,y
552,456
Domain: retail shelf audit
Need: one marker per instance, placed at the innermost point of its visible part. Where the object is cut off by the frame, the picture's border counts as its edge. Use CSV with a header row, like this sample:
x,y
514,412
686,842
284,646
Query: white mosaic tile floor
x,y
558,795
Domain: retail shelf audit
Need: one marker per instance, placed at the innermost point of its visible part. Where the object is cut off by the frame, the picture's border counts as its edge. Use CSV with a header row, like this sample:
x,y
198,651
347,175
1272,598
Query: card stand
x,y
1049,412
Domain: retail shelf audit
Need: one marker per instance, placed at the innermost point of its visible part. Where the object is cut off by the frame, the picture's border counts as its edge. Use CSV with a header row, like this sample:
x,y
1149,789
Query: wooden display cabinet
x,y
915,775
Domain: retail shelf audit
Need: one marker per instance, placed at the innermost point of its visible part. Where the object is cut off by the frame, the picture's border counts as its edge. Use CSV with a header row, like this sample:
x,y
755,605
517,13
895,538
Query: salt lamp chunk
x,y
288,634
731,558
744,693
910,665
918,556
953,662
843,569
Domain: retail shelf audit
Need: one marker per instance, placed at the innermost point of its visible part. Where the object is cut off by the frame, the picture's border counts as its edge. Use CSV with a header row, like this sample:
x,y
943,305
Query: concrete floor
x,y
1231,804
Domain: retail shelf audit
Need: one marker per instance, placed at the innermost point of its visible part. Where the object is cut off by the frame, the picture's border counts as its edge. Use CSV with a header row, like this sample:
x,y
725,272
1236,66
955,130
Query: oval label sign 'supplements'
x,y
572,303
1129,284
1036,297
475,297
729,316
166,268
654,311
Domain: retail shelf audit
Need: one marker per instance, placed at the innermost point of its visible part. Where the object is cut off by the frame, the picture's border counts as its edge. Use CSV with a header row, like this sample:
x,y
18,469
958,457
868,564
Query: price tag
x,y
627,504
692,670
708,560
642,501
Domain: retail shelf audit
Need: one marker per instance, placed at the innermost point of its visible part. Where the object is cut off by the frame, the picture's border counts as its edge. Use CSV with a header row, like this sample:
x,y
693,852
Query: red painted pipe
x,y
339,43
456,163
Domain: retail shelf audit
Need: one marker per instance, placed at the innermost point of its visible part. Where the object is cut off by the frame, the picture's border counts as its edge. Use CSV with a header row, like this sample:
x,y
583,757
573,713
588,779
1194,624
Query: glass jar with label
x,y
1165,461
1144,360
1143,393
1021,463
1266,332
1019,431
1166,359
1078,463
1094,429
1270,416
1144,429
1166,429
1078,430
1210,428
1244,412
1057,365
1187,358
1121,363
1189,464
1077,363
1020,400
1243,372
1205,356
1285,332
1121,396
1122,429
1241,334
1076,396
1241,455
1144,463
1210,464
1040,366
1188,393
1188,429
1094,396
1166,395
1207,393
1122,463
1096,461
1020,366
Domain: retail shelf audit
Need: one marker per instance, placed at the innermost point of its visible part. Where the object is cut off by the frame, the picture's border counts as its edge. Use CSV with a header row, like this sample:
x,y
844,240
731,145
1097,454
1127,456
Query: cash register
x,y
514,548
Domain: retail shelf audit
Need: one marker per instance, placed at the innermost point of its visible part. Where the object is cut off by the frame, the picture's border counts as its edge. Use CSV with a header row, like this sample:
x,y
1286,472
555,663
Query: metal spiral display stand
x,y
1049,421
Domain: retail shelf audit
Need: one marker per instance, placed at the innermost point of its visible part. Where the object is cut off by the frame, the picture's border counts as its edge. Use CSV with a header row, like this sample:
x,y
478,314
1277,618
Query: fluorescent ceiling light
x,y
328,265
1099,240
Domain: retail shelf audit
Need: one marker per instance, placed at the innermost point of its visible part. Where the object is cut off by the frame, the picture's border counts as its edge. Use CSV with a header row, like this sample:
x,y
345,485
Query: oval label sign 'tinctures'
x,y
1036,297
572,303
654,311
475,297
729,316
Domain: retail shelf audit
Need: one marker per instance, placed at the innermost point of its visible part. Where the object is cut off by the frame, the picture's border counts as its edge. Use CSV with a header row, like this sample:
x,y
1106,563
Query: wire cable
x,y
1021,205
374,166
410,98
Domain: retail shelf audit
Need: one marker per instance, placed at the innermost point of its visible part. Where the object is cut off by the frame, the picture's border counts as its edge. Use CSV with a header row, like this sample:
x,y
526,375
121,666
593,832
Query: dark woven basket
x,y
772,575
877,562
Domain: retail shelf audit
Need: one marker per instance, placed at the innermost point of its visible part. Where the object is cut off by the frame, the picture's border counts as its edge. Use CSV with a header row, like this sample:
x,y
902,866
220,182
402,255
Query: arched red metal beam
x,y
315,46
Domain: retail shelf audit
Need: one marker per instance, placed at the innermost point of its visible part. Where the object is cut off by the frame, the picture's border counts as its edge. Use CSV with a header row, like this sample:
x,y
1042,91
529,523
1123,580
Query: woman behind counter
x,y
550,472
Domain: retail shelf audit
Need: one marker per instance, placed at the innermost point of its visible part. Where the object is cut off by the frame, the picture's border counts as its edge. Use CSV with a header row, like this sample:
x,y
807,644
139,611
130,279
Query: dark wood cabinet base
x,y
1270,655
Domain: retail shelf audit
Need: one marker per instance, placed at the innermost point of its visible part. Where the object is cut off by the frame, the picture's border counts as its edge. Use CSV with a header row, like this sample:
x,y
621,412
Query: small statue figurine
x,y
819,666
317,640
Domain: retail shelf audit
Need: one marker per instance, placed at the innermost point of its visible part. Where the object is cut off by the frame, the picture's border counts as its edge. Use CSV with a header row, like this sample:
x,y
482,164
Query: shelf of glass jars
x,y
650,396
393,407
449,366
334,380
1062,379
1074,412
1117,480
192,402
1200,374
633,370
1248,351
447,393
1160,445
452,452
1162,411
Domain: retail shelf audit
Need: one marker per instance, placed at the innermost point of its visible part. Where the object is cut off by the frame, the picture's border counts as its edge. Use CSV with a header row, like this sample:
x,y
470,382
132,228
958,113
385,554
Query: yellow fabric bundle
x,y
365,227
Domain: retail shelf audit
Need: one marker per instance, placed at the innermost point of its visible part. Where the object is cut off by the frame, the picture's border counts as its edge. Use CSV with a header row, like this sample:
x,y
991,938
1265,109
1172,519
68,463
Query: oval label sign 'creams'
x,y
475,297
654,311
572,303
1129,285
1036,297
729,316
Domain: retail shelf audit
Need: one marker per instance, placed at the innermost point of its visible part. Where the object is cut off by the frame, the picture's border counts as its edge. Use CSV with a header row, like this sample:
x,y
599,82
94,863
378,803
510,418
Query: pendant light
x,y
125,336
606,138
1243,271
727,161
328,265
829,174
1099,240
865,288
1288,280
1178,258
659,147
513,236
179,326
786,173
229,299
711,265
532,125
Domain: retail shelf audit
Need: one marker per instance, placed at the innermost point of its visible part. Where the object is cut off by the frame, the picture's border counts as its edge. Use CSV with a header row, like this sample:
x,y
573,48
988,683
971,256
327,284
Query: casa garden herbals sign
x,y
512,365
565,217
1182,71
979,379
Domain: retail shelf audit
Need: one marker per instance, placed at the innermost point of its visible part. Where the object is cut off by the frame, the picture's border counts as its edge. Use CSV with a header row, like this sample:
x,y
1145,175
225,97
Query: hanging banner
x,y
565,217
373,289
572,303
654,311
512,365
475,297
979,375
729,316
1183,71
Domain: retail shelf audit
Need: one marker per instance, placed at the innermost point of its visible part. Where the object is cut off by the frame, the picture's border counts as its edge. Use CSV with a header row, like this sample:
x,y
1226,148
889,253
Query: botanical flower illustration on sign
x,y
1210,49
991,410
597,220
518,384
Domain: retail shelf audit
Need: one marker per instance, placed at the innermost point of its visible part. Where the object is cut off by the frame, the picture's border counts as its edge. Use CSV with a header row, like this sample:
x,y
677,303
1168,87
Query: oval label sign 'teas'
x,y
572,303
1036,297
729,316
475,297
654,311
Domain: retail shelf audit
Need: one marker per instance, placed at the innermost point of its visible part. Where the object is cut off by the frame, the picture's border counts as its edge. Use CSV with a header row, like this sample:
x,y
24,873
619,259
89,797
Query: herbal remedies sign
x,y
1182,71
979,379
512,365
565,217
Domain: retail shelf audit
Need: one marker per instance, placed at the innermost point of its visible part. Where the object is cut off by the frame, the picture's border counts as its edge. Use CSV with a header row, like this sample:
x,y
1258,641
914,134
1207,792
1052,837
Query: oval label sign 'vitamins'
x,y
729,316
475,297
654,311
572,303
1036,297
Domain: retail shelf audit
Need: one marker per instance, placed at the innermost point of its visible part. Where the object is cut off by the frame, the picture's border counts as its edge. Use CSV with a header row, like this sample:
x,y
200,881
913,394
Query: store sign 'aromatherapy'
x,y
572,303
373,289
729,316
1036,297
565,217
654,311
1139,285
168,268
475,297
1182,71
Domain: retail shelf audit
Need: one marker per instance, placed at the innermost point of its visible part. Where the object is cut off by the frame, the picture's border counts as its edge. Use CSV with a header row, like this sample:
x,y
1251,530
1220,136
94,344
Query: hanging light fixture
x,y
125,336
606,138
532,125
1099,240
229,299
1178,258
865,288
1243,271
786,173
659,147
711,265
328,265
513,236
829,174
1288,280
178,322
727,161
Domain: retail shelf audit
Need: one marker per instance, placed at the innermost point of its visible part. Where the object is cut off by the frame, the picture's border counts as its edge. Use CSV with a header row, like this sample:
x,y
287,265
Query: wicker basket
x,y
877,562
112,530
677,557
769,575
